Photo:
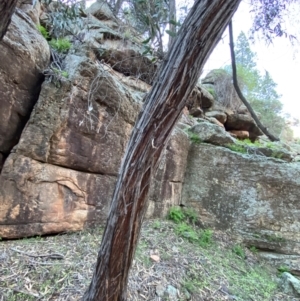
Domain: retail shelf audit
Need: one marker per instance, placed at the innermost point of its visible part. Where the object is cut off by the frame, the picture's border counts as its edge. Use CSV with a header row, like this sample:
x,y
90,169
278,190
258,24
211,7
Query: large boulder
x,y
242,122
61,175
253,196
24,54
39,198
211,133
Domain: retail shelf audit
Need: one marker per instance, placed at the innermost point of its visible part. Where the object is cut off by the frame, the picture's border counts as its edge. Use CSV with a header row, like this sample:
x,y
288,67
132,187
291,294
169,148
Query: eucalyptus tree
x,y
176,77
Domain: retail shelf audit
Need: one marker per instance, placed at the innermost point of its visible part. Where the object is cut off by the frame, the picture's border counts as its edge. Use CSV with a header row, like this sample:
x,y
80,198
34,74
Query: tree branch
x,y
239,92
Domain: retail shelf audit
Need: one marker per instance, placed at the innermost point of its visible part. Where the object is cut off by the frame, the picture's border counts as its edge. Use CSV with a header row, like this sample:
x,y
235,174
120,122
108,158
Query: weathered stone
x,y
207,100
24,54
239,134
38,198
278,153
83,124
33,11
167,184
212,133
255,197
88,126
242,110
242,122
219,115
292,262
215,121
290,284
120,49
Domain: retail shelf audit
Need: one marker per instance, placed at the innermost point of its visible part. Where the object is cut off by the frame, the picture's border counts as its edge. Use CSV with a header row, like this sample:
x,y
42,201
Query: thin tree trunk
x,y
239,92
172,27
175,80
118,6
7,8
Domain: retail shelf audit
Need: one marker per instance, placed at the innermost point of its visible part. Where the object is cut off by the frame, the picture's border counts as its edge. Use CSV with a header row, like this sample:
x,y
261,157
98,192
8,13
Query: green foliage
x,y
190,215
282,269
43,31
258,88
185,219
157,224
253,249
237,148
61,45
274,238
64,17
193,137
186,231
176,214
239,251
205,238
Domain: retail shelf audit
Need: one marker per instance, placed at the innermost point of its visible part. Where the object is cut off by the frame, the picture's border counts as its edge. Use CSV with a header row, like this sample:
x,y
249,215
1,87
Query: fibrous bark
x,y
239,92
7,8
175,80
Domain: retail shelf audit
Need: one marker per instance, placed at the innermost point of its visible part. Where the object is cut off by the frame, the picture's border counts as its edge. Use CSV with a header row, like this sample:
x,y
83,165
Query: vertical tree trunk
x,y
239,92
7,8
172,27
118,6
175,80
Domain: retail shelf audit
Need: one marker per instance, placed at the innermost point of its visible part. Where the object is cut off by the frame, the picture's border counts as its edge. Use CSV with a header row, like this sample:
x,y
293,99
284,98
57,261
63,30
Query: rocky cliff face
x,y
60,173
24,56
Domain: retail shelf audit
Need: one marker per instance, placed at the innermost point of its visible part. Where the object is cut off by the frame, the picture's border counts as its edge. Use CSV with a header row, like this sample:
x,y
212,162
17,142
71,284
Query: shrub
x,y
282,269
176,214
44,32
238,250
205,238
61,45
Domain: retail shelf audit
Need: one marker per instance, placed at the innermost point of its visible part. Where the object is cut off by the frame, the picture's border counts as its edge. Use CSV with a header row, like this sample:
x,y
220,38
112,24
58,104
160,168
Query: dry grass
x,y
60,268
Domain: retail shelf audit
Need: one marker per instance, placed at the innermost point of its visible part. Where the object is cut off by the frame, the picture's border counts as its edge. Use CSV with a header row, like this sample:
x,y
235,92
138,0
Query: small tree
x,y
175,80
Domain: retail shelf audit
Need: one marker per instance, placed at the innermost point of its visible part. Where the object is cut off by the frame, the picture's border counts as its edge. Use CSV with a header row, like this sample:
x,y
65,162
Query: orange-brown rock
x,y
39,198
240,134
24,54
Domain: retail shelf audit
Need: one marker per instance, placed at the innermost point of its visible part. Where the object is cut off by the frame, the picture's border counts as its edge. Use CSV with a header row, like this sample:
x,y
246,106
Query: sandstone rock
x,y
87,127
211,133
82,125
33,11
101,11
24,54
215,121
290,284
167,184
292,262
38,198
242,110
255,197
240,134
123,53
278,153
219,115
207,100
242,122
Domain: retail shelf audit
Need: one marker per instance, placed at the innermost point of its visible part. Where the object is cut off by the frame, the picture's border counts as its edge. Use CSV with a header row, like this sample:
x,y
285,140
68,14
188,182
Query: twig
x,y
51,256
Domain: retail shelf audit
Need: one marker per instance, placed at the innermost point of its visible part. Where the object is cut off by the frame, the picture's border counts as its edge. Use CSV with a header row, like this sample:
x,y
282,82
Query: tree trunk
x,y
175,80
239,92
172,27
7,8
118,6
